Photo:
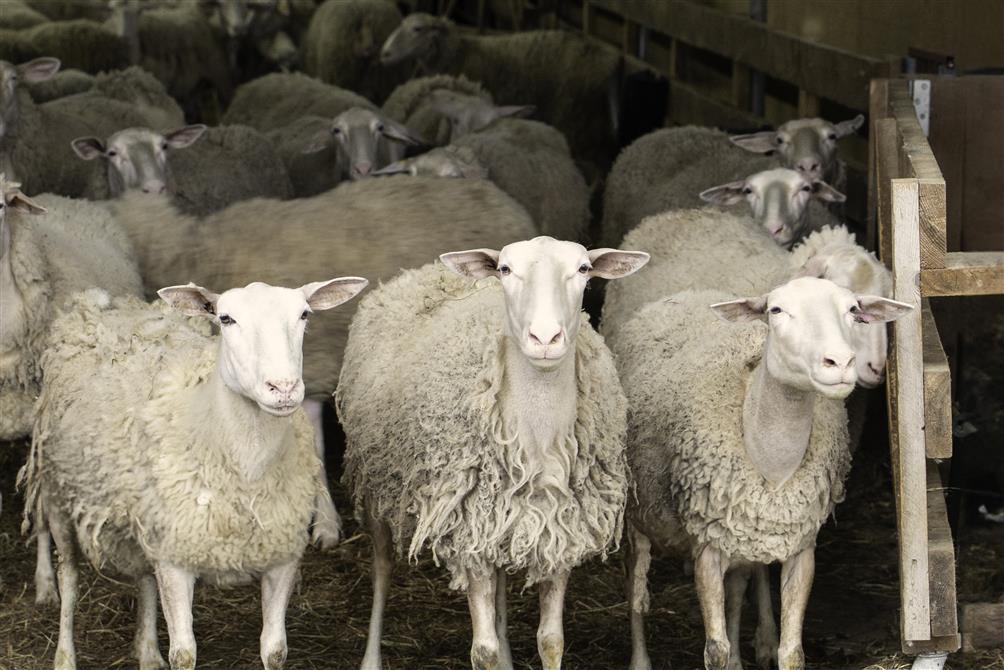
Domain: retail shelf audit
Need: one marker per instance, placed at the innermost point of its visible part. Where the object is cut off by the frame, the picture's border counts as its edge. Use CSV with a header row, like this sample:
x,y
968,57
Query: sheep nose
x,y
807,166
547,336
156,187
363,169
877,371
840,362
282,387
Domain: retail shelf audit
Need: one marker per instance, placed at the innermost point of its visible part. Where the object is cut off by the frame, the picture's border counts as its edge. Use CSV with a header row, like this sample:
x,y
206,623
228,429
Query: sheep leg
x,y
796,583
62,532
177,587
276,585
45,576
736,582
146,625
327,528
383,562
639,558
481,601
765,640
501,620
709,578
550,632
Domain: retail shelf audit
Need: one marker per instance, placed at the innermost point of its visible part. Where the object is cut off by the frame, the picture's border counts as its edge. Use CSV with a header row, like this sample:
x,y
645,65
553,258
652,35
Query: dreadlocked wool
x,y
431,449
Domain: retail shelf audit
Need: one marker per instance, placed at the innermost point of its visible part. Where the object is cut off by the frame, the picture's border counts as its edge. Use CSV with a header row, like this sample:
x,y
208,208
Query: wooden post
x,y
587,17
908,452
741,85
629,38
808,104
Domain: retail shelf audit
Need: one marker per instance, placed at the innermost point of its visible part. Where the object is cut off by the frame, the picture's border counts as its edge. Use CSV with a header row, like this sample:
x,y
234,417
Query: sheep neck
x,y
11,303
777,424
251,438
539,407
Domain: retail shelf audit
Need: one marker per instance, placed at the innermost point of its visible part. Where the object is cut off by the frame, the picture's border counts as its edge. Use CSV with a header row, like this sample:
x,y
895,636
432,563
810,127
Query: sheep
x,y
194,461
486,425
449,161
737,442
417,104
375,226
66,246
35,139
255,33
17,15
572,81
674,168
229,164
81,44
61,84
342,43
70,10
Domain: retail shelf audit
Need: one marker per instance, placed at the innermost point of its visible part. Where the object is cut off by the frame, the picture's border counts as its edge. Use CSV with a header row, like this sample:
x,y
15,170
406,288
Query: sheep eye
x,y
226,320
305,314
336,131
163,147
584,268
832,136
380,128
112,153
807,189
779,140
505,270
855,310
775,310
747,190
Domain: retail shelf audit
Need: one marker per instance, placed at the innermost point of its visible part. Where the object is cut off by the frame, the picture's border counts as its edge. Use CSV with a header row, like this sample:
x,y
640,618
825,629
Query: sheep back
x,y
140,88
273,101
409,104
80,44
309,174
61,84
18,16
136,467
428,448
685,374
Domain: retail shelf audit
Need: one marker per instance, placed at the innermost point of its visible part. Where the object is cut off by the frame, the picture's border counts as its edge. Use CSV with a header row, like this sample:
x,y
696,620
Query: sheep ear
x,y
38,69
518,111
88,148
190,299
474,263
743,309
614,263
758,143
397,167
726,194
396,131
23,203
322,295
185,136
875,308
823,191
319,142
845,128
814,267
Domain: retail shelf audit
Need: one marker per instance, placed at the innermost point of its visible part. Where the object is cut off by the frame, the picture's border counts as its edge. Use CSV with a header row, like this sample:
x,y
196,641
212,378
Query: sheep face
x,y
779,200
810,321
806,145
11,75
416,38
365,141
261,334
137,157
446,163
543,280
469,113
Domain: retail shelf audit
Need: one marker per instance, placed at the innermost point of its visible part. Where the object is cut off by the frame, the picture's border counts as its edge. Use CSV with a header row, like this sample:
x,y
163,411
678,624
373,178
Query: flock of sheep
x,y
487,423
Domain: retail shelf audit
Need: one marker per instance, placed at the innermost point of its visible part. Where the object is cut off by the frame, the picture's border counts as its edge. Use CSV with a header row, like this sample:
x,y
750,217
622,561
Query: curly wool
x,y
73,246
138,469
275,100
409,104
329,46
431,452
685,373
140,88
60,85
695,249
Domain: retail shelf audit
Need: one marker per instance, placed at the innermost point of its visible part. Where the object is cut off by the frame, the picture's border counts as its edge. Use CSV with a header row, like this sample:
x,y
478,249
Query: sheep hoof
x,y
65,661
276,660
325,535
45,592
484,658
551,651
793,660
182,659
639,662
765,643
152,662
716,655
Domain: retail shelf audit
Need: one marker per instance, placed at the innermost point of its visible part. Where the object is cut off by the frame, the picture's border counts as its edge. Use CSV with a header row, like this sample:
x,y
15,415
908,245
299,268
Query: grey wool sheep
x,y
17,15
196,460
204,170
572,82
61,84
495,448
80,44
415,104
342,46
275,100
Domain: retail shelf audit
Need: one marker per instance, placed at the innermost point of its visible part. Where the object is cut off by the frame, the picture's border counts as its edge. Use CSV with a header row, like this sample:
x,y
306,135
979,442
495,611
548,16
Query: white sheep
x,y
670,168
737,442
193,461
342,46
50,247
485,424
375,226
222,165
418,104
572,81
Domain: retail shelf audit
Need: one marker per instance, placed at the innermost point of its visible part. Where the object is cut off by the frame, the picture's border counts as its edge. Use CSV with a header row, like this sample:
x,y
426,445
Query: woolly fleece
x,y
685,373
137,469
79,44
409,104
428,445
61,84
74,246
369,228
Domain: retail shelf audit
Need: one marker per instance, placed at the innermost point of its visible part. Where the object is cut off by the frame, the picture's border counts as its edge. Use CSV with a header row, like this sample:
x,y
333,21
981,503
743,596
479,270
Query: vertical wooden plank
x,y
932,223
808,104
675,57
629,38
878,108
949,142
937,390
886,169
983,199
587,17
740,85
941,553
910,476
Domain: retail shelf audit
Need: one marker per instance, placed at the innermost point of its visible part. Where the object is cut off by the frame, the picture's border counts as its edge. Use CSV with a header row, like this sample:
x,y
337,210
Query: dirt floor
x,y
851,622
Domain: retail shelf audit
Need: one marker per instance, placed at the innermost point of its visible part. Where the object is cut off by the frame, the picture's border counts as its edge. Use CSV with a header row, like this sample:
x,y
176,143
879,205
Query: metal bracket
x,y
920,89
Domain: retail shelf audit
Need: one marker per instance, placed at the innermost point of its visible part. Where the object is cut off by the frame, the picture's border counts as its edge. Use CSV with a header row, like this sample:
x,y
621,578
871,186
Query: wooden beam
x,y
966,273
821,70
878,108
909,475
587,16
629,38
941,562
982,626
741,78
808,104
937,390
886,169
